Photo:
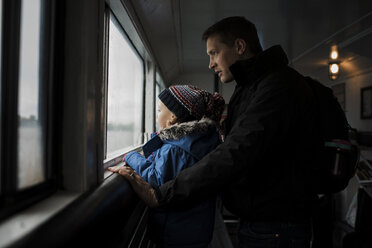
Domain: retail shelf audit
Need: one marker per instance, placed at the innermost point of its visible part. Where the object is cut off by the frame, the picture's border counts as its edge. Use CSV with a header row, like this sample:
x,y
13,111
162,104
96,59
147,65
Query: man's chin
x,y
226,81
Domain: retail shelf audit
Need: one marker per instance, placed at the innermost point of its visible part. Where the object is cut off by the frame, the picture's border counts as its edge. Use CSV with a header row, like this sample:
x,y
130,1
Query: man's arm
x,y
250,135
142,188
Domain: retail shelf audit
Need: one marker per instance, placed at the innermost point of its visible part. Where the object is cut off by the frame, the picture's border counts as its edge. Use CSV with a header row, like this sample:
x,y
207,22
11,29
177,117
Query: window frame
x,y
11,199
76,128
114,154
128,23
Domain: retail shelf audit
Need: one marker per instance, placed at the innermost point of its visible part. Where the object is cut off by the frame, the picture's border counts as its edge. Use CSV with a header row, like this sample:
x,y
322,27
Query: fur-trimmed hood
x,y
195,137
181,130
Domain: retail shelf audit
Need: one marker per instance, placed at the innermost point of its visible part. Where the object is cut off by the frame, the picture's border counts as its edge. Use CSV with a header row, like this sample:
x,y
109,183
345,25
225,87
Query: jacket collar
x,y
181,130
176,132
245,71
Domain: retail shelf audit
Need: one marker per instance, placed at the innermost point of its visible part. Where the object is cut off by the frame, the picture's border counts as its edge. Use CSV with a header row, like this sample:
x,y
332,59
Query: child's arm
x,y
161,166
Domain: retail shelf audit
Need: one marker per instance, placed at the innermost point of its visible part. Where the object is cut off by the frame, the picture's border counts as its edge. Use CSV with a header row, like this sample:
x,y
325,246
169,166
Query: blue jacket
x,y
165,155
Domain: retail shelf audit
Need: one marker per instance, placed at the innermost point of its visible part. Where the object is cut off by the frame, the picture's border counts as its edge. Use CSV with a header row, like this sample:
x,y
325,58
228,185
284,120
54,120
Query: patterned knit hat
x,y
189,103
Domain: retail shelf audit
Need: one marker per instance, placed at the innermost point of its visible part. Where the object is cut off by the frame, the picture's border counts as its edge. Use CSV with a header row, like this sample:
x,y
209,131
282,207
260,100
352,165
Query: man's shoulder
x,y
284,76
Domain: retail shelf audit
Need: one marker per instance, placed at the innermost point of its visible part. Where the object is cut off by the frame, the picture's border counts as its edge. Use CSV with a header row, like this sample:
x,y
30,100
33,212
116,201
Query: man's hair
x,y
236,27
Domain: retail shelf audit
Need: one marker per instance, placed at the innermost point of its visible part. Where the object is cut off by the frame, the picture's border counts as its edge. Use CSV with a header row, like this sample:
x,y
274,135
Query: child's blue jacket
x,y
165,155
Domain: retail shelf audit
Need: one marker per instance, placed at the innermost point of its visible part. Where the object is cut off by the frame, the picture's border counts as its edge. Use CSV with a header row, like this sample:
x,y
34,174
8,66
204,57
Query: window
x,y
30,155
124,91
26,175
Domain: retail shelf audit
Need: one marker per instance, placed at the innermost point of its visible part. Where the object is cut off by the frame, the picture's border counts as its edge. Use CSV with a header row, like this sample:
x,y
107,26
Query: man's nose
x,y
212,64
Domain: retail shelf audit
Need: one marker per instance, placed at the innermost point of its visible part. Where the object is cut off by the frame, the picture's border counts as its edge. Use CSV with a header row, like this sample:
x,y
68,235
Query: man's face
x,y
221,57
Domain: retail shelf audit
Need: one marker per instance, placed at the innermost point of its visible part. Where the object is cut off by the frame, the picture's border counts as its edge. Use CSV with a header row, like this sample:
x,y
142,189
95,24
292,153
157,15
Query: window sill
x,y
117,157
19,225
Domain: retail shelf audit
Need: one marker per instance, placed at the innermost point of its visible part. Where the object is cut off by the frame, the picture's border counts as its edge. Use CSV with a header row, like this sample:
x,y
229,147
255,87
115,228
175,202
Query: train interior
x,y
79,86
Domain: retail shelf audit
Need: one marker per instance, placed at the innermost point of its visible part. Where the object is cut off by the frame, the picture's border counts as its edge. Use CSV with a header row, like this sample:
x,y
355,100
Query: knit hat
x,y
189,103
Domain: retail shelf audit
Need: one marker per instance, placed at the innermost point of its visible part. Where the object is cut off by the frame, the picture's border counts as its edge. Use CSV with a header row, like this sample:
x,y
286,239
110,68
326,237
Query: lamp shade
x,y
333,70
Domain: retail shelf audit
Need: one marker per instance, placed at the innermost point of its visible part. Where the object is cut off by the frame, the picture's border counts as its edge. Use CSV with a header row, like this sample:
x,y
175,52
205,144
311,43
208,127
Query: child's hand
x,y
117,167
123,170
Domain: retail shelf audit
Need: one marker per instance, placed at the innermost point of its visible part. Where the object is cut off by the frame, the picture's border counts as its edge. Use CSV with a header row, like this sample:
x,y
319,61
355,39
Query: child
x,y
188,118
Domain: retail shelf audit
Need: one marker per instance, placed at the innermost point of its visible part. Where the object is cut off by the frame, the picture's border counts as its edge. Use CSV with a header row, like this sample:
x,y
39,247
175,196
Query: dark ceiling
x,y
305,29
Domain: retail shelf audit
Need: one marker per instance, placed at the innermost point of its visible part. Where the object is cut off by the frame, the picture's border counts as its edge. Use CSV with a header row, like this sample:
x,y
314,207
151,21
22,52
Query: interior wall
x,y
204,81
352,101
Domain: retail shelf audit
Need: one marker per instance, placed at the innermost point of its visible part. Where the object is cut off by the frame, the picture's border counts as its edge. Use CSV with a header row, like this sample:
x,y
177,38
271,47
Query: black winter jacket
x,y
270,139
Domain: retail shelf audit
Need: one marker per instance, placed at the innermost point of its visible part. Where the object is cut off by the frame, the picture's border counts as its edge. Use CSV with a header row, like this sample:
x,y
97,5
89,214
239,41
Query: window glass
x,y
125,91
157,92
31,169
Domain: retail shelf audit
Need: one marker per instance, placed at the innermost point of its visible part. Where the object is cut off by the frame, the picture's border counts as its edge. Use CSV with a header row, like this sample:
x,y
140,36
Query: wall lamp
x,y
334,64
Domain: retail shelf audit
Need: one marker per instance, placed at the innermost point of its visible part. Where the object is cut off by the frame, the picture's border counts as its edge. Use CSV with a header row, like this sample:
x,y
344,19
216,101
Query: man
x,y
270,140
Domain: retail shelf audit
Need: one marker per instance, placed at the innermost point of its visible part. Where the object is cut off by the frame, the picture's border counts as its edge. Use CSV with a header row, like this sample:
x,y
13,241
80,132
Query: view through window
x,y
125,91
31,166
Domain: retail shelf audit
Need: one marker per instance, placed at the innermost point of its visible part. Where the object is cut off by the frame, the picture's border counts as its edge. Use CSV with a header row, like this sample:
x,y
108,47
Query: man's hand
x,y
142,188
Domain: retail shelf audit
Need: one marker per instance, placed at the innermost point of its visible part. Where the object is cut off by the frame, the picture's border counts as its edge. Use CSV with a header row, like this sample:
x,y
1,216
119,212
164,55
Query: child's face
x,y
165,117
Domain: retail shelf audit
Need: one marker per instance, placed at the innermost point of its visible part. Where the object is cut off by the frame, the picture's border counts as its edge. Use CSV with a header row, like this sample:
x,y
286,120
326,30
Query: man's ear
x,y
241,46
